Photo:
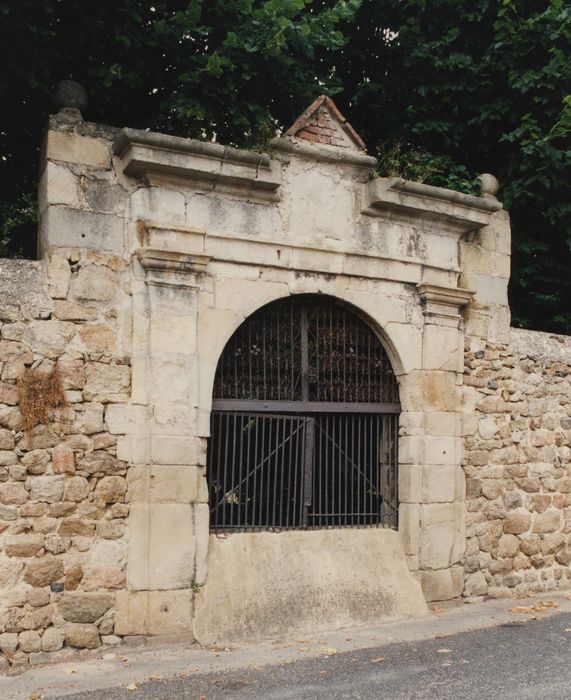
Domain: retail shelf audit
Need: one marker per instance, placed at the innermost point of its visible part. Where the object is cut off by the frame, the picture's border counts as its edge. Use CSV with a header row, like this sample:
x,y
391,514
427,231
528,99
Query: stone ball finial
x,y
70,95
489,185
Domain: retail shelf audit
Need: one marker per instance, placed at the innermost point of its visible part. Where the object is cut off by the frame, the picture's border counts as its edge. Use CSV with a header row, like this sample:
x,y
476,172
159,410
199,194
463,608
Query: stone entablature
x,y
153,251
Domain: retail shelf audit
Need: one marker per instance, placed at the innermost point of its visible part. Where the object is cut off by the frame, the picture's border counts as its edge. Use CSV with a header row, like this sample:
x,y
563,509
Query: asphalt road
x,y
527,660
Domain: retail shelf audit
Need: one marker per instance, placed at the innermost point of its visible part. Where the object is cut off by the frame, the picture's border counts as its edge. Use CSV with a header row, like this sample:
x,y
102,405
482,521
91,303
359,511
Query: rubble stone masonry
x,y
517,427
62,487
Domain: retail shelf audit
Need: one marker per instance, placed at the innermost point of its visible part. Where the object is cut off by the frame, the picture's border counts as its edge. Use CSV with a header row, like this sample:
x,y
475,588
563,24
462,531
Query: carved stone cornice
x,y
455,212
167,268
443,302
148,155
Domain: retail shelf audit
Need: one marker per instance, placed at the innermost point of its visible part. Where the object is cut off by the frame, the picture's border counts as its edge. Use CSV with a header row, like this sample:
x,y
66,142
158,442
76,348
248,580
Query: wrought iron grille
x,y
305,423
296,349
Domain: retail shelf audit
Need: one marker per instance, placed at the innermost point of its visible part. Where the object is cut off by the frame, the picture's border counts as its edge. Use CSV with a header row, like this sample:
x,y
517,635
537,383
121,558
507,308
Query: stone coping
x,y
315,151
452,196
460,212
146,153
540,344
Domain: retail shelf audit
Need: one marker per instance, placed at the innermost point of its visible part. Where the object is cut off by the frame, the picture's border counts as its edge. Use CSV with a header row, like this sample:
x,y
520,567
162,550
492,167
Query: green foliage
x,y
443,90
413,163
15,216
486,84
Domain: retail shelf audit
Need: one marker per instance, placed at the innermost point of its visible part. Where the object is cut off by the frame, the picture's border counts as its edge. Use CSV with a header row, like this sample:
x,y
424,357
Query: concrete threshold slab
x,y
125,665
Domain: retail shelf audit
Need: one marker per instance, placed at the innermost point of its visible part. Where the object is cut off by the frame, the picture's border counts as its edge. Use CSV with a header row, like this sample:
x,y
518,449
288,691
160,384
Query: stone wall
x,y
517,425
62,488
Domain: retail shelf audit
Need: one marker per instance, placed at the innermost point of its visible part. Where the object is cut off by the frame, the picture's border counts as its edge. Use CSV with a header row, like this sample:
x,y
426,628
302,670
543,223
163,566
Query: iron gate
x,y
305,423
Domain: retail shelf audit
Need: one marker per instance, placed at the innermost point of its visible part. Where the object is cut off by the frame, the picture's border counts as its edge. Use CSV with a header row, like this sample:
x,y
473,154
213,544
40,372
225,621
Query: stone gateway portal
x,y
288,395
304,422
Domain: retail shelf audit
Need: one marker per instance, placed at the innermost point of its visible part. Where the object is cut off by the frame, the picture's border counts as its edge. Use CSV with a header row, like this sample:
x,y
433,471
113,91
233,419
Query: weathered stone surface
x,y
23,545
10,571
63,459
550,521
106,383
38,597
82,636
76,489
97,577
110,529
516,522
36,461
8,642
476,584
6,439
56,544
100,463
552,543
84,607
52,639
508,546
47,489
111,489
29,641
43,572
94,283
15,352
71,528
93,419
67,311
13,493
7,458
8,512
73,577
38,618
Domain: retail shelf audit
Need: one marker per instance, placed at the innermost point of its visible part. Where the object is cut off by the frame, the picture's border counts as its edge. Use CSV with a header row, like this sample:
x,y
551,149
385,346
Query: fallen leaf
x,y
444,651
378,661
538,607
131,686
521,609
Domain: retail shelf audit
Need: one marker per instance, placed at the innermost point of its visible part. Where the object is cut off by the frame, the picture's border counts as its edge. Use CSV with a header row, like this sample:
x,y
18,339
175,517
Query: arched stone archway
x,y
304,422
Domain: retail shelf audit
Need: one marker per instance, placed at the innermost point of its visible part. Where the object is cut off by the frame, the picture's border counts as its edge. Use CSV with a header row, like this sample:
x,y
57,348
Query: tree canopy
x,y
440,90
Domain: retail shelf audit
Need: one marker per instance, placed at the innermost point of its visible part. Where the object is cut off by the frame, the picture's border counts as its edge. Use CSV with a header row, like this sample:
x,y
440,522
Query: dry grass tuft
x,y
40,393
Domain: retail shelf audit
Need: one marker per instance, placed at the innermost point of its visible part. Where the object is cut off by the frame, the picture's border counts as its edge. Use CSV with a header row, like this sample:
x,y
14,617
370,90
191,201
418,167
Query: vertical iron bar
x,y
308,467
275,468
319,383
262,496
304,355
287,427
278,358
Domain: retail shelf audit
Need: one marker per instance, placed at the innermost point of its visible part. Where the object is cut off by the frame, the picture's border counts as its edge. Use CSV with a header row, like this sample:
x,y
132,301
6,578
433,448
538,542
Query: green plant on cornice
x,y
398,159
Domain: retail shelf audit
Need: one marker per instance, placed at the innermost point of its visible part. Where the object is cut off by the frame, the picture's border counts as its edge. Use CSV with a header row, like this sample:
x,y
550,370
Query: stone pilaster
x,y
167,456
